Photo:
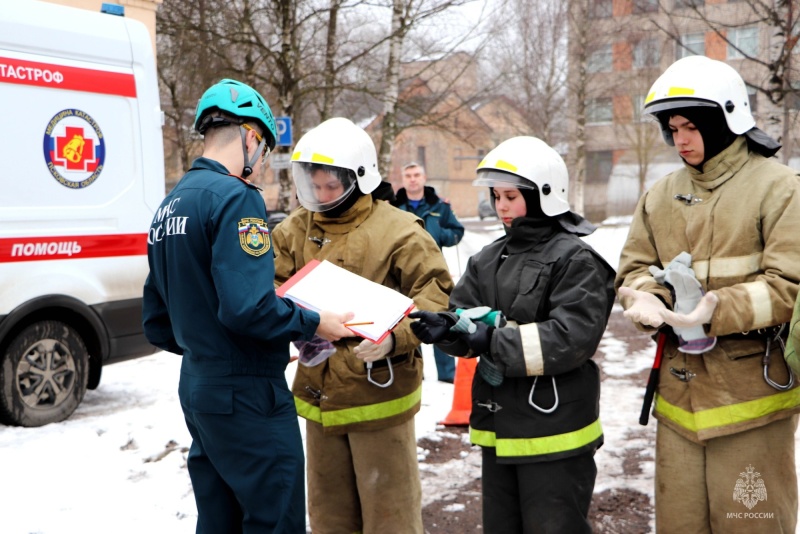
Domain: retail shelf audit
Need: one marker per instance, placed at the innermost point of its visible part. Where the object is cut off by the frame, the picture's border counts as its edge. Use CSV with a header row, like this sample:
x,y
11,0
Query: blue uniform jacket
x,y
210,292
440,221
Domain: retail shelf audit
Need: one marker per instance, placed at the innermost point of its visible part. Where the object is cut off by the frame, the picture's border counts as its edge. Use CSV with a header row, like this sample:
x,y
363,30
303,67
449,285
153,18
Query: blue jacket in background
x,y
210,293
440,221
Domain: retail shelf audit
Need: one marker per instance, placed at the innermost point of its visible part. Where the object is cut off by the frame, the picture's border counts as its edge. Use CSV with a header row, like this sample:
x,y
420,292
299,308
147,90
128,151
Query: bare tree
x,y
259,42
298,53
641,134
182,71
330,54
407,15
578,54
774,74
530,57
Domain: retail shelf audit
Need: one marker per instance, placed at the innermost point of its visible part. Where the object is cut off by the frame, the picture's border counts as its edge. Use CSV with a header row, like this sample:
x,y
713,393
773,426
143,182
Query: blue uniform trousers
x,y
445,365
246,460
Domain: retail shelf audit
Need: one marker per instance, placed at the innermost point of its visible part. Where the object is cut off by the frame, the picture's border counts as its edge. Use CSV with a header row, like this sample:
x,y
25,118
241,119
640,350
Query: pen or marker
x,y
359,324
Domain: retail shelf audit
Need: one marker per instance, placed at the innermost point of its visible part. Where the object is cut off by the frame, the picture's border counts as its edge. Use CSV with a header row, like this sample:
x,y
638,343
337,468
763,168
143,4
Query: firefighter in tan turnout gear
x,y
360,402
713,261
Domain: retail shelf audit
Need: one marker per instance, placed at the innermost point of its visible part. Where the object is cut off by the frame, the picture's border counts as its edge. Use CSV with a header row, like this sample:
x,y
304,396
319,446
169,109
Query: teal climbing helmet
x,y
237,100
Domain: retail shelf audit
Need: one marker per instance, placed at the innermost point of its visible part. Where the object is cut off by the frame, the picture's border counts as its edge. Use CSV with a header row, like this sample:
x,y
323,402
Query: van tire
x,y
43,375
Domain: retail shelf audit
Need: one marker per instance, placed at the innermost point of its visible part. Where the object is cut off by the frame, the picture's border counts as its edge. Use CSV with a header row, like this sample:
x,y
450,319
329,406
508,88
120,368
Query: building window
x,y
599,110
792,96
600,60
645,6
743,42
598,166
421,156
752,97
646,54
637,101
690,3
601,9
692,44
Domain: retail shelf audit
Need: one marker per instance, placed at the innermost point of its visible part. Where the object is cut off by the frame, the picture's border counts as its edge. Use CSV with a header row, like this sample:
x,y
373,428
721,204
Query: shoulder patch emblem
x,y
254,236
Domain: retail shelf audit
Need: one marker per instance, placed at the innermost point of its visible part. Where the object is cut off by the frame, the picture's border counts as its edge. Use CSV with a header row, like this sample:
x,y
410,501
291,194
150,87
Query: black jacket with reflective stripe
x,y
558,293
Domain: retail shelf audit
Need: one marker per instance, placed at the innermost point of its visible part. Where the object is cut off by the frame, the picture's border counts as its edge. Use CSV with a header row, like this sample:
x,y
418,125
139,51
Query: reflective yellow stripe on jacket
x,y
727,415
537,446
358,414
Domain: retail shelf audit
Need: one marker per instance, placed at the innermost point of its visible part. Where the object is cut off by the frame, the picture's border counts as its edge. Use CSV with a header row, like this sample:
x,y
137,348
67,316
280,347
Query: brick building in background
x,y
448,126
627,49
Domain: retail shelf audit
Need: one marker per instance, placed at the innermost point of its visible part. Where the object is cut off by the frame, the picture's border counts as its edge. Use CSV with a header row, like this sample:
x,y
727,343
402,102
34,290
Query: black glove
x,y
480,340
432,327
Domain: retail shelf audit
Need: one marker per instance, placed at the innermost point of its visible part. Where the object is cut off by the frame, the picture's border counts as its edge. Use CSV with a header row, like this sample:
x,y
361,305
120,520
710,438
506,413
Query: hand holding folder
x,y
325,286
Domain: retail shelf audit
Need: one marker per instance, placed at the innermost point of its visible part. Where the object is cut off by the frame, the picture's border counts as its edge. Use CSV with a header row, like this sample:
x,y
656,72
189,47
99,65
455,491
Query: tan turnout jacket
x,y
740,221
385,245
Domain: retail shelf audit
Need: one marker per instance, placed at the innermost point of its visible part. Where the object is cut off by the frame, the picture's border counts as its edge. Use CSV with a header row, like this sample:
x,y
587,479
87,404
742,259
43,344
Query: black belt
x,y
761,333
394,359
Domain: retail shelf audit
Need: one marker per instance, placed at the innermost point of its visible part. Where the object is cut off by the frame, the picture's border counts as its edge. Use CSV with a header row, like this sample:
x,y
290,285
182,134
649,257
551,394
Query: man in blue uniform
x,y
441,223
210,297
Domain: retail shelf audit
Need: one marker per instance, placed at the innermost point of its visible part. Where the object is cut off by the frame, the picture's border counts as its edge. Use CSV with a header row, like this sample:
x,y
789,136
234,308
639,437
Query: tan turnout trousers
x,y
741,483
364,481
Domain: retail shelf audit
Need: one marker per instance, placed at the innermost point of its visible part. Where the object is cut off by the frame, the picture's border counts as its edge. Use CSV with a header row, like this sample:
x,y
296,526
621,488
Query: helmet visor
x,y
676,104
495,178
322,187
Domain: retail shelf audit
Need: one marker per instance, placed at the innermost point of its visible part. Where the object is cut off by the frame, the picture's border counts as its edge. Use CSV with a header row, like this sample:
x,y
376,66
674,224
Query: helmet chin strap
x,y
248,164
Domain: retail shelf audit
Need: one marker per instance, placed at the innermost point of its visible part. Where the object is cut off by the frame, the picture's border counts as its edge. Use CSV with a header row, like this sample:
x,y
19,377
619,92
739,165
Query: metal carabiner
x,y
391,374
555,392
765,361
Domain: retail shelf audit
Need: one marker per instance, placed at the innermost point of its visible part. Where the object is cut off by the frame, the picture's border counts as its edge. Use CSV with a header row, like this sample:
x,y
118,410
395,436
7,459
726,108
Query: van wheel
x,y
43,375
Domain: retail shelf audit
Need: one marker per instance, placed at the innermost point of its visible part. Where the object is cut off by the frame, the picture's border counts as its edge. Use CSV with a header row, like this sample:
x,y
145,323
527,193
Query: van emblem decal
x,y
254,236
74,148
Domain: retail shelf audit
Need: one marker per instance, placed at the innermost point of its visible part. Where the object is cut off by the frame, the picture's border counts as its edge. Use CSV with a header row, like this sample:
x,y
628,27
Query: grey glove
x,y
492,372
468,317
679,276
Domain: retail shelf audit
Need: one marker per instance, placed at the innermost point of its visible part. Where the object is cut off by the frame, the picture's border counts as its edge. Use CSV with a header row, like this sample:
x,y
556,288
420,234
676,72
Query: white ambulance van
x,y
81,175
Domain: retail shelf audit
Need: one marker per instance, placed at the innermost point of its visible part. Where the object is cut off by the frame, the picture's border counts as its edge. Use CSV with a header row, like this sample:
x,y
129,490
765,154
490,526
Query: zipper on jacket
x,y
319,240
689,198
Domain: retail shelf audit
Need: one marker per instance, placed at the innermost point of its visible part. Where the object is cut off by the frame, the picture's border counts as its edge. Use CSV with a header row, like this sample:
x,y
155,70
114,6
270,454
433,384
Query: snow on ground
x,y
118,464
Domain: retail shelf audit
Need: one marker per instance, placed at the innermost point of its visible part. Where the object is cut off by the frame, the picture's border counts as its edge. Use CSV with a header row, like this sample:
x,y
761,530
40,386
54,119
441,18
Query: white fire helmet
x,y
330,161
528,163
700,81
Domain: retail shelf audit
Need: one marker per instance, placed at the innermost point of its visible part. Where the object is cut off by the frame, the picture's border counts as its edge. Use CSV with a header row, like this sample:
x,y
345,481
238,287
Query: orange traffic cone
x,y
462,393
